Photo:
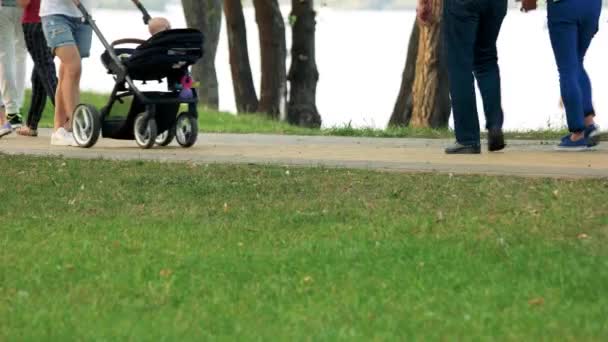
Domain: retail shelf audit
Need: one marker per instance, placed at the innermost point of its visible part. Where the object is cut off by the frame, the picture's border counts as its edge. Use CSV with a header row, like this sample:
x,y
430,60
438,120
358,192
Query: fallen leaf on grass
x,y
537,301
440,216
165,272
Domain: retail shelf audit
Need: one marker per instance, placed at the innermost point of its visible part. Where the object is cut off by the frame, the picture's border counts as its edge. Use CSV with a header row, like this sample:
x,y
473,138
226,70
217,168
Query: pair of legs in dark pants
x,y
44,75
572,26
471,28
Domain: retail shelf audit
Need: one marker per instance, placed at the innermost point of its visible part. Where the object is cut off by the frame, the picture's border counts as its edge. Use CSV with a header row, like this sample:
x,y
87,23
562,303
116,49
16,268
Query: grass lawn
x,y
100,250
216,122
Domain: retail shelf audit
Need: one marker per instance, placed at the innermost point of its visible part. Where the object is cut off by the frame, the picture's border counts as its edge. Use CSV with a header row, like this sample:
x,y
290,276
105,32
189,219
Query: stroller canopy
x,y
160,56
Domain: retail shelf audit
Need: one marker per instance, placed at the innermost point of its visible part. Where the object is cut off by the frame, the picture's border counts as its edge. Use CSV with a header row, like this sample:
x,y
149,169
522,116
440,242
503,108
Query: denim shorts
x,y
60,30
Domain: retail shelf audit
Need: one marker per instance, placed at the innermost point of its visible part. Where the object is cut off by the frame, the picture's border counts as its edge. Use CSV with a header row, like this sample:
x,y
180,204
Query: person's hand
x,y
23,3
424,11
528,5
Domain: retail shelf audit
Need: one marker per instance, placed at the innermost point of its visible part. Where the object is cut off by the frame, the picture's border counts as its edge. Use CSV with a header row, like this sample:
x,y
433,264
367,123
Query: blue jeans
x,y
471,29
572,26
60,30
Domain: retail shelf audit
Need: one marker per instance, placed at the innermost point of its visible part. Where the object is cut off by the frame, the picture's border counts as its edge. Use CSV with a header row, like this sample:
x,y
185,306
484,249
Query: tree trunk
x,y
303,74
206,16
402,113
424,99
242,81
273,52
426,88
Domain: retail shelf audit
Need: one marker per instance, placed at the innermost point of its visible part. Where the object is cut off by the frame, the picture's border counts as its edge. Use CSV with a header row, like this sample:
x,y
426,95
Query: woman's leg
x,y
8,75
44,78
68,90
38,101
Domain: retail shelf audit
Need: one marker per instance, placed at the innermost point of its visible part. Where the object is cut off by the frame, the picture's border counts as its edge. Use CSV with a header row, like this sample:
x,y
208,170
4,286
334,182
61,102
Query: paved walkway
x,y
523,158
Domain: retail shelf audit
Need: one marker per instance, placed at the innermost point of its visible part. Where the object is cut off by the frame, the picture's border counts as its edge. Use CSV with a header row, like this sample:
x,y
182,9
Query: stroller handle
x,y
87,18
143,10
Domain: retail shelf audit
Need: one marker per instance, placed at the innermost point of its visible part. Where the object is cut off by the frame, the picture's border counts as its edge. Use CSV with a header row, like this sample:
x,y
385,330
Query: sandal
x,y
27,132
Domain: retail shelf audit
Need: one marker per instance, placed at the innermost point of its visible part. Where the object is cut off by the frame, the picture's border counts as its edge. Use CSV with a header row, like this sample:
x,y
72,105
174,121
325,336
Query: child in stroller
x,y
148,117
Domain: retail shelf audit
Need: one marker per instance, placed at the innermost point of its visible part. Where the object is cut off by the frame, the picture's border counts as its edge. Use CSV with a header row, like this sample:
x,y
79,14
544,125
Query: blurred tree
x,y
273,54
242,81
303,74
206,16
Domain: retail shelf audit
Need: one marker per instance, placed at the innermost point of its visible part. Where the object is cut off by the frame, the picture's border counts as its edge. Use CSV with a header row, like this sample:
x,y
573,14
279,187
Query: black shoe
x,y
459,148
15,120
496,140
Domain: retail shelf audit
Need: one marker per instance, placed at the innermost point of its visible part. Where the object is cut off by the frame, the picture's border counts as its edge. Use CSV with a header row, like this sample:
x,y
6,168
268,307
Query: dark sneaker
x,y
496,140
459,148
592,133
15,120
567,145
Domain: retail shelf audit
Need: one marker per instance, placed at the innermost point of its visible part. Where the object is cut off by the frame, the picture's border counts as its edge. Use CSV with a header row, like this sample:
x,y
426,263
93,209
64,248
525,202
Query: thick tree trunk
x,y
242,81
402,113
303,74
273,52
426,84
206,16
424,99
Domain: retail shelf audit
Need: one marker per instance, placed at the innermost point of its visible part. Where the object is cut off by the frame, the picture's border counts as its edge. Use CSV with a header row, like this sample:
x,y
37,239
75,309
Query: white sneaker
x,y
61,137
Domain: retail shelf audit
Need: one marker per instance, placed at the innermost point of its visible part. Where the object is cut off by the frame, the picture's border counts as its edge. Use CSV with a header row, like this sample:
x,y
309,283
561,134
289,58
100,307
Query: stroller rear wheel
x,y
186,130
86,125
145,130
166,137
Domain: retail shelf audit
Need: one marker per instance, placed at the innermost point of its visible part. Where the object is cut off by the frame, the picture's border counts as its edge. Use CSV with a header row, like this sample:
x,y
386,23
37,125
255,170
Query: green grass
x,y
217,122
99,250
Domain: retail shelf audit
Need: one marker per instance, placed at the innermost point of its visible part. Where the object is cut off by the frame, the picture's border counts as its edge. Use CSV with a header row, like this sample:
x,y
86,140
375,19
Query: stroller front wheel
x,y
186,130
86,125
145,130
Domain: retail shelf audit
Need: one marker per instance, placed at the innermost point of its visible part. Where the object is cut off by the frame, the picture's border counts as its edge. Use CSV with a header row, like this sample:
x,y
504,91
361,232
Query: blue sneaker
x,y
592,133
6,129
574,146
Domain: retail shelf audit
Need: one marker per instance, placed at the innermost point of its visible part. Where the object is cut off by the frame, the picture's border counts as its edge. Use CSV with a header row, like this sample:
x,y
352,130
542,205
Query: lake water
x,y
361,55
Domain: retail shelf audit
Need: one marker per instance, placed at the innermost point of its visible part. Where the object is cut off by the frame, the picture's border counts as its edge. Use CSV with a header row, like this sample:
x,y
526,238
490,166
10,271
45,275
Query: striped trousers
x,y
44,75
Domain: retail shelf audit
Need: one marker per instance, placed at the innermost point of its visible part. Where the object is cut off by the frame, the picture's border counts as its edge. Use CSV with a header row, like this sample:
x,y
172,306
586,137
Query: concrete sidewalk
x,y
522,158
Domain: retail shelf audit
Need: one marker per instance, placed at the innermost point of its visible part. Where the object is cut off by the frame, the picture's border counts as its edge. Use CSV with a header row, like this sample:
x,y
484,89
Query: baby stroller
x,y
148,117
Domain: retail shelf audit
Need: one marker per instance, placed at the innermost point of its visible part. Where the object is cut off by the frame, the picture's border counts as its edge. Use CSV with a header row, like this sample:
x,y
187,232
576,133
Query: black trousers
x,y
44,75
471,28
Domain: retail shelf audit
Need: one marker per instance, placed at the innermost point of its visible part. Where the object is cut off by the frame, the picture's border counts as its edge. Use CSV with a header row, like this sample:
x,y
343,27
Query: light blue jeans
x,y
61,30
